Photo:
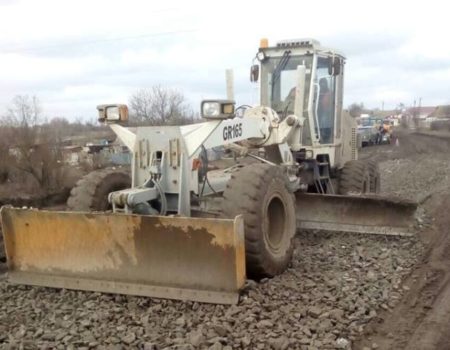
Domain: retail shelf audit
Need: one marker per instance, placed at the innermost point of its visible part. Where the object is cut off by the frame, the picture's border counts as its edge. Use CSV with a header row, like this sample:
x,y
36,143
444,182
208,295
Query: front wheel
x,y
261,193
91,192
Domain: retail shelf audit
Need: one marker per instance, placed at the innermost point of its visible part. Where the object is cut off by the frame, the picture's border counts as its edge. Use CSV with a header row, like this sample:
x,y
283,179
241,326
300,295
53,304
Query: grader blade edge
x,y
163,257
356,214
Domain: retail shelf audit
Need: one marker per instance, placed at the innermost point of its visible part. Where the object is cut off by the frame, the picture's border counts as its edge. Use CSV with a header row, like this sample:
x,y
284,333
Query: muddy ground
x,y
341,292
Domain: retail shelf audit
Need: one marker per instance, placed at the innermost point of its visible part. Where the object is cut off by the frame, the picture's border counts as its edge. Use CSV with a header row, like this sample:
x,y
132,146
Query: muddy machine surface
x,y
189,229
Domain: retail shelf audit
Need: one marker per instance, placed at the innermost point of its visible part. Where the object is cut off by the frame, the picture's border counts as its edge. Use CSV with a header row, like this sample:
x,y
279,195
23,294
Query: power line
x,y
97,41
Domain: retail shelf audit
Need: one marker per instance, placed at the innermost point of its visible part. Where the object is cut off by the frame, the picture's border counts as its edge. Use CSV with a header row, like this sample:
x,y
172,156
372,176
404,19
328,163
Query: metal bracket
x,y
130,197
174,150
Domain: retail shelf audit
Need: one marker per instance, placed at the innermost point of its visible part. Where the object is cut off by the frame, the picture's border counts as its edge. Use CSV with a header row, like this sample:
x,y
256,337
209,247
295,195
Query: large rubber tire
x,y
91,192
354,178
261,193
375,178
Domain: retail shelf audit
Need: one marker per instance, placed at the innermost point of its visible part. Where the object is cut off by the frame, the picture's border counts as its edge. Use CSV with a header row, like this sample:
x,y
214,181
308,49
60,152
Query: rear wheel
x,y
354,178
261,193
91,192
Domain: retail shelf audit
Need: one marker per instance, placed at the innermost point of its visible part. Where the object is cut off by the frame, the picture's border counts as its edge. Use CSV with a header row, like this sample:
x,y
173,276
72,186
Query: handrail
x,y
316,108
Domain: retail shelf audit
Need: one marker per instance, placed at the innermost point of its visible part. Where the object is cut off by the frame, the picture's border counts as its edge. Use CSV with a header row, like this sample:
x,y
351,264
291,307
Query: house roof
x,y
422,110
441,112
384,114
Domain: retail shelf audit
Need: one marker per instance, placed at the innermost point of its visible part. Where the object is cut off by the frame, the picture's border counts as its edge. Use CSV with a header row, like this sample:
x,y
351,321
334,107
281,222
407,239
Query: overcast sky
x,y
76,54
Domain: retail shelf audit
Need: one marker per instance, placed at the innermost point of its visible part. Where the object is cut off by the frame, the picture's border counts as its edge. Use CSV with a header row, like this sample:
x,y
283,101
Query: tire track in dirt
x,y
432,331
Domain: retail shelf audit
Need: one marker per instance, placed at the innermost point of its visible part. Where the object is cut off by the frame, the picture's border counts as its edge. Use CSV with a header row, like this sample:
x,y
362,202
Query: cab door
x,y
324,101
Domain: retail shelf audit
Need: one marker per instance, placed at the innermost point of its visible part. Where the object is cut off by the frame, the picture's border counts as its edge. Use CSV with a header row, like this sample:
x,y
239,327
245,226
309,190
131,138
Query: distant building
x,y
72,154
421,112
440,112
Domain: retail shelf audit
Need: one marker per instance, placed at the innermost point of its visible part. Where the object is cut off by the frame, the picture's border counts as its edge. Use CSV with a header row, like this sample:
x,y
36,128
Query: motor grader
x,y
185,229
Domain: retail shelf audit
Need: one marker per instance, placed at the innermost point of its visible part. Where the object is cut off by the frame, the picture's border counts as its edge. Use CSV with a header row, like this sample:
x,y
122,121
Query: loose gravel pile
x,y
336,285
416,177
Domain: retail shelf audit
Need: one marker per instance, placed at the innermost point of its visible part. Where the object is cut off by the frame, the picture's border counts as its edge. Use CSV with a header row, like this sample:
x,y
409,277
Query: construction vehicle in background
x,y
181,230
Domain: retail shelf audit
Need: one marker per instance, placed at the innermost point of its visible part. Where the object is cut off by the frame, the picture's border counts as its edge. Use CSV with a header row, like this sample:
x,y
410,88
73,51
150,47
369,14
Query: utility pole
x,y
415,116
382,105
420,105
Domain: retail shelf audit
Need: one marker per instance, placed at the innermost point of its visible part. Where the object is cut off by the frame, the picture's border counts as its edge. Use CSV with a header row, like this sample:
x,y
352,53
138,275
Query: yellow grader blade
x,y
356,214
164,257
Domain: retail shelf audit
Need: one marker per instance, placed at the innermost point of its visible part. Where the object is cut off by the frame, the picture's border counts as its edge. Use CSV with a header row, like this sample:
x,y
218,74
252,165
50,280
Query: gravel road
x,y
337,284
419,169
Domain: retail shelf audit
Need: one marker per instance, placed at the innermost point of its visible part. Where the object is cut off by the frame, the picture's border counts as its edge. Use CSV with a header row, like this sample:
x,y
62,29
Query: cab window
x,y
324,102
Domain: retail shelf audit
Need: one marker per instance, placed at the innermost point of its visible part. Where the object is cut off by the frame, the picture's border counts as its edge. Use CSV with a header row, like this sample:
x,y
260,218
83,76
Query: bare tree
x,y
5,160
141,106
356,109
160,106
400,108
33,144
59,127
24,111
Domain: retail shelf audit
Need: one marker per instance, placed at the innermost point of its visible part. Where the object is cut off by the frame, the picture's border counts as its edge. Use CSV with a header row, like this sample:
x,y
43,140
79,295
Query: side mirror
x,y
254,73
113,113
334,65
337,64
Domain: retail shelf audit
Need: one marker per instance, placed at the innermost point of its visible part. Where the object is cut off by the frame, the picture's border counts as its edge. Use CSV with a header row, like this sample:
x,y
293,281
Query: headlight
x,y
112,113
261,56
211,109
116,113
217,109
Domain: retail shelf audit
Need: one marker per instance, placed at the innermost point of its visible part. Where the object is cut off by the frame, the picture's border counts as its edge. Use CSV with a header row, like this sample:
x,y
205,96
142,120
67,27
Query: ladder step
x,y
323,163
